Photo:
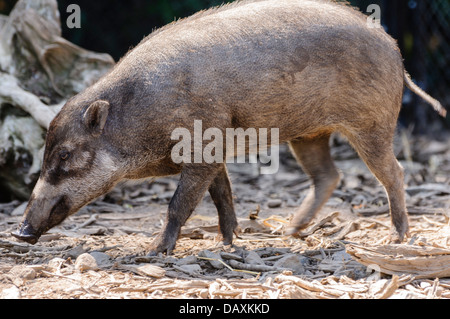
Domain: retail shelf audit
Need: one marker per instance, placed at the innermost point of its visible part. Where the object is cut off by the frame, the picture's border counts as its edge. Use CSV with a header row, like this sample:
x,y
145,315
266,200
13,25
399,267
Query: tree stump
x,y
39,71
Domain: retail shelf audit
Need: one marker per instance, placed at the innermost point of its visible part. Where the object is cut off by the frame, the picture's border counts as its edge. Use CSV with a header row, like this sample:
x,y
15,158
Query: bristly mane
x,y
225,7
228,6
204,13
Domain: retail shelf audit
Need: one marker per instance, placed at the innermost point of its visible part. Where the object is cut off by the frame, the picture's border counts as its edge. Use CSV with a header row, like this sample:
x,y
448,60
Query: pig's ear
x,y
95,116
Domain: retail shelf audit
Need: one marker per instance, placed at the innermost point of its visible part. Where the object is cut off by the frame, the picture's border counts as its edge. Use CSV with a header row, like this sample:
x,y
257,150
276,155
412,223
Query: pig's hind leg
x,y
376,150
194,181
313,155
220,191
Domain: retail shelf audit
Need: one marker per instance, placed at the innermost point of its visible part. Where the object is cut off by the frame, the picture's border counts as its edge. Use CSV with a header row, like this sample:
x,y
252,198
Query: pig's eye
x,y
64,155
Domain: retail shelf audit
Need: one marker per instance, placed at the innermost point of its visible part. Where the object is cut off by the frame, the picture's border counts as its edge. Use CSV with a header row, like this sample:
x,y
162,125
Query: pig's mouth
x,y
26,232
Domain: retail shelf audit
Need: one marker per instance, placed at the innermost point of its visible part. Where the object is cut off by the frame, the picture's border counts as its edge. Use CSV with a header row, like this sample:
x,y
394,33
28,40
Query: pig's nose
x,y
26,233
31,239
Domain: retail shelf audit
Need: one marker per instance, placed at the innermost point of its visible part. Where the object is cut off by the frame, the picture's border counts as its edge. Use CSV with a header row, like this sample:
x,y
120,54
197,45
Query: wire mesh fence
x,y
422,29
432,19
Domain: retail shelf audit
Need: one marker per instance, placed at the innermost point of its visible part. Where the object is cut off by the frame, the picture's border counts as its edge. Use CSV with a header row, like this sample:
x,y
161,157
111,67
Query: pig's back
x,y
286,58
242,20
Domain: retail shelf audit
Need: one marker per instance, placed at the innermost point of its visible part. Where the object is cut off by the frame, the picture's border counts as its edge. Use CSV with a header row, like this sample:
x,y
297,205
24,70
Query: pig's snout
x,y
41,215
26,233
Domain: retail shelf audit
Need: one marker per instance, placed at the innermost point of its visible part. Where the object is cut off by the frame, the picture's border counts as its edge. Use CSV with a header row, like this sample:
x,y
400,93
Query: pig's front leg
x,y
194,182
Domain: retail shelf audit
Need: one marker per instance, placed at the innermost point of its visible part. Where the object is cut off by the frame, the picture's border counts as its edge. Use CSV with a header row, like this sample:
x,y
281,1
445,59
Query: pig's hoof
x,y
293,229
294,232
159,246
397,237
155,252
152,253
228,240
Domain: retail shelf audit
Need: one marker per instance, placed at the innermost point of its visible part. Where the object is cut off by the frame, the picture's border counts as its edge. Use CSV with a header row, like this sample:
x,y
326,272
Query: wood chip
x,y
419,261
144,270
310,230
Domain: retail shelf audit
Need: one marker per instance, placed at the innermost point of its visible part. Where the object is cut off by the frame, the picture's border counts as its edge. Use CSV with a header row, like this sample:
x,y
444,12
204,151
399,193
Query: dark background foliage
x,y
422,28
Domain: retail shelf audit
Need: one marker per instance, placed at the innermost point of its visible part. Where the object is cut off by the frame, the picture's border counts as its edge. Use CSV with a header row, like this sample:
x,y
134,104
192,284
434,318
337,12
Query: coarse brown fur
x,y
306,67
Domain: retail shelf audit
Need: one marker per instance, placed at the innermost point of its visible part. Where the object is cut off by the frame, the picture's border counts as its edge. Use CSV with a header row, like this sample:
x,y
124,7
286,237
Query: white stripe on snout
x,y
42,188
105,161
100,173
